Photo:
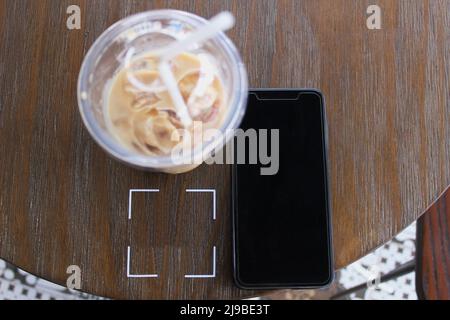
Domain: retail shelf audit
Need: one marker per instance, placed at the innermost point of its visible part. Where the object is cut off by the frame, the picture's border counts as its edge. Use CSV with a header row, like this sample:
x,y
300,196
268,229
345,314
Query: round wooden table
x,y
64,202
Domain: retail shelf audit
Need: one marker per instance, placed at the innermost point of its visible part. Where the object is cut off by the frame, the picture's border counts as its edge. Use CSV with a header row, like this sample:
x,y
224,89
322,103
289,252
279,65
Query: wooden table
x,y
433,251
64,202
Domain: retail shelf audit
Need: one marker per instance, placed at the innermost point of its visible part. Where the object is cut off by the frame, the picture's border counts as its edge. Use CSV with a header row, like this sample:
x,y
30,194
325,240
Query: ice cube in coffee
x,y
141,111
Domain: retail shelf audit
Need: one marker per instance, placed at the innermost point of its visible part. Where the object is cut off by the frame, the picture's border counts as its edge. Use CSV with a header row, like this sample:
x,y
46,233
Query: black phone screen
x,y
282,221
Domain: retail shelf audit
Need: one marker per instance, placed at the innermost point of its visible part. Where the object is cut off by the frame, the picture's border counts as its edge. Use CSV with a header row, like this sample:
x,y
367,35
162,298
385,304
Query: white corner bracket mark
x,y
129,275
213,191
213,275
130,200
130,197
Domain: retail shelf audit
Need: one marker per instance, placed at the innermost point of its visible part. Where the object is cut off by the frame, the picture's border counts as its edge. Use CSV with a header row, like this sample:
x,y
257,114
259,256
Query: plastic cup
x,y
145,32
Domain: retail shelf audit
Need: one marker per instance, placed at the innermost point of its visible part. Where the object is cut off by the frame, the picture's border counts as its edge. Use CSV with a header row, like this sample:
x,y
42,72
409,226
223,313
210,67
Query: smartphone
x,y
282,217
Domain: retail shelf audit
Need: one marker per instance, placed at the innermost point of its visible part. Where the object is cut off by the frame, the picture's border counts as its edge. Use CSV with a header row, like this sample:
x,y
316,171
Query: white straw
x,y
172,86
221,22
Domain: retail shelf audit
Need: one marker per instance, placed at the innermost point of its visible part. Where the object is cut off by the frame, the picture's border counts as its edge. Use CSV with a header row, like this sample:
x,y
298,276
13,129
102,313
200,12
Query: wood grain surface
x,y
433,251
63,201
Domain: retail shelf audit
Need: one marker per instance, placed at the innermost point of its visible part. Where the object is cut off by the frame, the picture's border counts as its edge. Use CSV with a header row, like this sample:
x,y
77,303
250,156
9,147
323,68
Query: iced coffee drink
x,y
158,79
142,115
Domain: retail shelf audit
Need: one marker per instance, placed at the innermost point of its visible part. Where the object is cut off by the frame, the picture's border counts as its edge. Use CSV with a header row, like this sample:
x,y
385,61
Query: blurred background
x,y
357,281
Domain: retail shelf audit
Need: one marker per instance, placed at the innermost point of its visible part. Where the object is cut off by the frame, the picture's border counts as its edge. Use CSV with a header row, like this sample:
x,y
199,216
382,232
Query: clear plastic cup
x,y
144,32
